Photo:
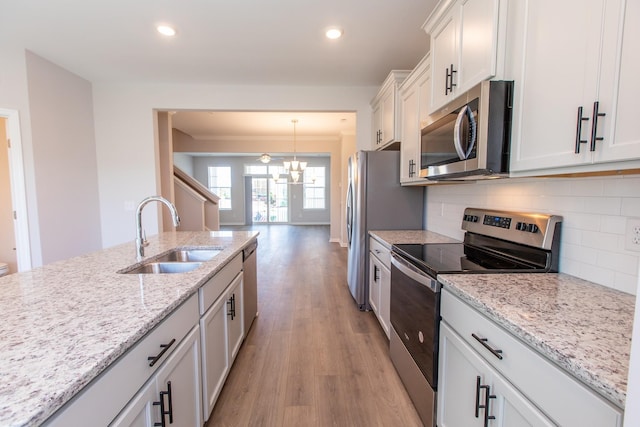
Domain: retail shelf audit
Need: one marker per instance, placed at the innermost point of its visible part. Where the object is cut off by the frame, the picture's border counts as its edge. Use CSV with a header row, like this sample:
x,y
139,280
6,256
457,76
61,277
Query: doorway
x,y
269,201
15,248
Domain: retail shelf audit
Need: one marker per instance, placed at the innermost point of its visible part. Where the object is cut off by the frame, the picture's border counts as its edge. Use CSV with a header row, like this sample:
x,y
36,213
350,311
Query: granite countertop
x,y
582,327
393,237
62,324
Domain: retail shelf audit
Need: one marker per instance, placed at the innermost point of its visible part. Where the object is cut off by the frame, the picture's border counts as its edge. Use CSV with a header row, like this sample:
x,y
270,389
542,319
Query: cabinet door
x,y
619,83
478,42
235,317
388,115
215,353
374,284
141,411
464,381
385,299
179,378
554,59
376,125
444,55
410,104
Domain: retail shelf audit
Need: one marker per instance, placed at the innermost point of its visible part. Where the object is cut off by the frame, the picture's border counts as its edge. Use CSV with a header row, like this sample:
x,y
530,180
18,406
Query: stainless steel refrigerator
x,y
376,201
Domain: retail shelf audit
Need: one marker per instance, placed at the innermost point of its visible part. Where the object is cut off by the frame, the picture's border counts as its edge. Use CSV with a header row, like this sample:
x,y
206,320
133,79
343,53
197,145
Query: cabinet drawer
x,y
564,399
211,291
380,251
103,398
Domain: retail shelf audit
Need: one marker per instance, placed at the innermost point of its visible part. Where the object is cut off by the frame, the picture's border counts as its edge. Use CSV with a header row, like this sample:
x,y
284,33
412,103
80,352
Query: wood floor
x,y
311,357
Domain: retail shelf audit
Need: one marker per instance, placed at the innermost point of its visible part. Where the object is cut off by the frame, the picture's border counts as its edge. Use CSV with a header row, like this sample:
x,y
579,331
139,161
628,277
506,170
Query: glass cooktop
x,y
442,258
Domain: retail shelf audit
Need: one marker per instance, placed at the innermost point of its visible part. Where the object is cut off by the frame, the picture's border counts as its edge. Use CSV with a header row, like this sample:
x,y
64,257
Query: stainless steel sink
x,y
156,267
189,255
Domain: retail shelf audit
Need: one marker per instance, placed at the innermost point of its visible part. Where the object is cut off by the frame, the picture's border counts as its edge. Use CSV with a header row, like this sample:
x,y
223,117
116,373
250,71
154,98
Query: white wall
x,y
126,145
14,95
64,157
184,162
594,212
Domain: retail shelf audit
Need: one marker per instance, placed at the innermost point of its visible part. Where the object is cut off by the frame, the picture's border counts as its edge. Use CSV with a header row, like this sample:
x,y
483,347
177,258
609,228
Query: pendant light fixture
x,y
294,167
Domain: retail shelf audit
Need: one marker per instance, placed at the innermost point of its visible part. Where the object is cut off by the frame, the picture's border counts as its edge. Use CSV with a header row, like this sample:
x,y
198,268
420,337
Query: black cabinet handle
x,y
232,306
164,347
448,81
412,168
497,353
376,273
164,412
485,406
594,125
579,130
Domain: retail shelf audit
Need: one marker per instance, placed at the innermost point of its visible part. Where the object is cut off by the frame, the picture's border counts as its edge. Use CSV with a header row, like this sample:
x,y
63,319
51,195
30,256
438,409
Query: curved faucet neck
x,y
141,240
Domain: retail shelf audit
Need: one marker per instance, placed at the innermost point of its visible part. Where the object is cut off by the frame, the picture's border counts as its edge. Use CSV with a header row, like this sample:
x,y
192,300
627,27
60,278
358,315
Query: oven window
x,y
437,146
415,316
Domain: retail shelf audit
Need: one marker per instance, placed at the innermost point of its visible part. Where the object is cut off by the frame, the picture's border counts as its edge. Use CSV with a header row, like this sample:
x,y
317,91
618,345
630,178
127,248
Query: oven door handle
x,y
414,273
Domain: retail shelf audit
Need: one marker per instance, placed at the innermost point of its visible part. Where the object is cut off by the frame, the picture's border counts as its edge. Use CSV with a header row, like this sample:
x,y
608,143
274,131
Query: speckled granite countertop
x,y
583,327
64,323
393,237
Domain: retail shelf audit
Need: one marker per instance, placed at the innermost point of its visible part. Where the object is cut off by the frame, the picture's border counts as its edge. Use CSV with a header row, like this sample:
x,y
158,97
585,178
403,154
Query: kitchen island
x,y
63,324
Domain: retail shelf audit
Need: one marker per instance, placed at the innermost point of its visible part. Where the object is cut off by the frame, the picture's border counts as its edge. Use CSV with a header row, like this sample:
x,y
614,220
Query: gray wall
x,y
65,164
236,215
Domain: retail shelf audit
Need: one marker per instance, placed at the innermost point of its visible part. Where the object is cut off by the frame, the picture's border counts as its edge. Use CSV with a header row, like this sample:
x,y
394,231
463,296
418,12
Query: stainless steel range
x,y
494,242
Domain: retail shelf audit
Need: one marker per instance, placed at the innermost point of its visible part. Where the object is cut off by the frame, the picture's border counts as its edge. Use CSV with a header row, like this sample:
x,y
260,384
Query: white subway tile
x,y
602,205
613,224
631,207
592,187
619,262
581,221
602,241
623,186
626,283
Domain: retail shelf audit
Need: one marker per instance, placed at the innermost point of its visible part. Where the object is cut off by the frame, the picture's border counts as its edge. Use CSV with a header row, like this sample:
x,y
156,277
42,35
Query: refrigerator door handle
x,y
349,213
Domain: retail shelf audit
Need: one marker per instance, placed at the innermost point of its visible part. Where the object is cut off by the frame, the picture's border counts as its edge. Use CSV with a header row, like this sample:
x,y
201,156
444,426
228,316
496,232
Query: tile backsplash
x,y
594,211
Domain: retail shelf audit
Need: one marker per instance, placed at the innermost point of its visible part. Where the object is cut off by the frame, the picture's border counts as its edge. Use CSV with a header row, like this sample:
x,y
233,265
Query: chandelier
x,y
294,167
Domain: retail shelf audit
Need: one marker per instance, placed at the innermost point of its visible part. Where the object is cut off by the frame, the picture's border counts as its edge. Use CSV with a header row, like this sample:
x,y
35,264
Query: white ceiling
x,y
255,42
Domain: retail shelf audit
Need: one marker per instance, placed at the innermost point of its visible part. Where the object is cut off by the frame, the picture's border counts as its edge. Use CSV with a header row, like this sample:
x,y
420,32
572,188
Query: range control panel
x,y
531,229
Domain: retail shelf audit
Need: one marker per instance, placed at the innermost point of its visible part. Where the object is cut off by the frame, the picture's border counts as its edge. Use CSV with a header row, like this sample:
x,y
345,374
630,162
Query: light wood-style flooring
x,y
311,357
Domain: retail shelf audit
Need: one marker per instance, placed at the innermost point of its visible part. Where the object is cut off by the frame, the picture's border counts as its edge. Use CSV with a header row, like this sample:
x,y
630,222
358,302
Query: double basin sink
x,y
177,260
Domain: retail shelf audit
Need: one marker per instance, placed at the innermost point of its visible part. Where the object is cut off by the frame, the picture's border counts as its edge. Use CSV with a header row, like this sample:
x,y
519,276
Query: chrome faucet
x,y
141,240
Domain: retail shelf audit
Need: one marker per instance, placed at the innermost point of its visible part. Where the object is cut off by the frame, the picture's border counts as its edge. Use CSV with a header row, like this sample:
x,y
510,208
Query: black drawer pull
x,y
164,347
497,353
594,125
579,130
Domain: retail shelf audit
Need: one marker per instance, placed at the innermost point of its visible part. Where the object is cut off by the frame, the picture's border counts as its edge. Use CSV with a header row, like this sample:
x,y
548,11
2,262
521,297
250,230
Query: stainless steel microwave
x,y
471,137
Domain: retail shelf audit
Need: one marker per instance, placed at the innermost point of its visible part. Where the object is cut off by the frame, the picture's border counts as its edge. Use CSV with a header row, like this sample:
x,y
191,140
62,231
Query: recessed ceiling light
x,y
334,33
166,30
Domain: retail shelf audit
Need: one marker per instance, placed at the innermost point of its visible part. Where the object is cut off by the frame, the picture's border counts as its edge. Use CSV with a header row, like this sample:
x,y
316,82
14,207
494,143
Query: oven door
x,y
415,314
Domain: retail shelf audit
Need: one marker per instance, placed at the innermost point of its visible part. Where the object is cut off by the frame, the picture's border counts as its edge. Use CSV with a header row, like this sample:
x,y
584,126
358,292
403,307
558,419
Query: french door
x,y
269,200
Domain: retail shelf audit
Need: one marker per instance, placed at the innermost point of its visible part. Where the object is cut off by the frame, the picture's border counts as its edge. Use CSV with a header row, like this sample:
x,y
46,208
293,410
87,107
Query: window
x,y
314,187
220,184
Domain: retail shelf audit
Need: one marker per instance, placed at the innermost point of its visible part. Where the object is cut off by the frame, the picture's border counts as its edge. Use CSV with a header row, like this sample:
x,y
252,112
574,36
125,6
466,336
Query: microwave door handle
x,y
457,130
474,135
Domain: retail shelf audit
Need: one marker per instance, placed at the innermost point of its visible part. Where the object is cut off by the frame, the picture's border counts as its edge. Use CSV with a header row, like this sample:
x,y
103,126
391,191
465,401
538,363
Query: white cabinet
x,y
464,46
471,391
104,398
414,100
235,317
222,329
385,111
172,395
380,282
529,389
575,67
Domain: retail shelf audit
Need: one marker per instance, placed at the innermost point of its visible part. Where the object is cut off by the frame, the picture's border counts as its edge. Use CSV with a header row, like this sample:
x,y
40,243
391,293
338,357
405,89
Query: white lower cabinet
x,y
221,328
486,371
172,395
472,393
380,283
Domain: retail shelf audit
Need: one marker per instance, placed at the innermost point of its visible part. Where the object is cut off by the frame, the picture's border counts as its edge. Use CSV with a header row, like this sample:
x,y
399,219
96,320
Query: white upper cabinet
x,y
414,100
386,112
574,64
464,47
